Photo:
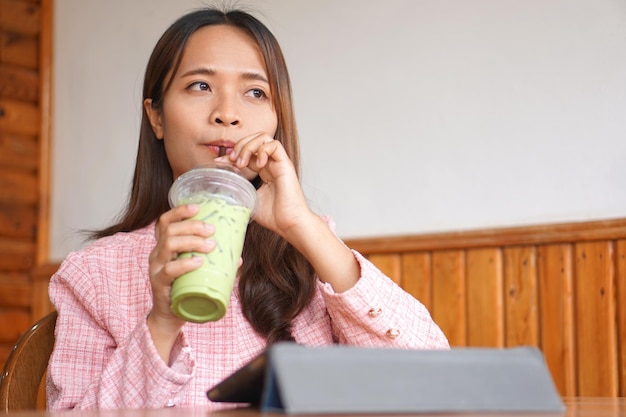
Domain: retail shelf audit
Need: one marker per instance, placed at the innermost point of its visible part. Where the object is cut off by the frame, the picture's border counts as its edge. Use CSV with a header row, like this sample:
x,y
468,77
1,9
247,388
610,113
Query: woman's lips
x,y
220,150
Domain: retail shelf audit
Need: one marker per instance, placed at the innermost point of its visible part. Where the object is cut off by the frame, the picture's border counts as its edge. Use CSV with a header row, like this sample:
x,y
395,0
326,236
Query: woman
x,y
215,83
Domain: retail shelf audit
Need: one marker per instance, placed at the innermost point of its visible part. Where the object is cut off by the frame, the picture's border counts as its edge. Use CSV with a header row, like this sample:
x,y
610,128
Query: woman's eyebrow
x,y
199,71
254,76
246,75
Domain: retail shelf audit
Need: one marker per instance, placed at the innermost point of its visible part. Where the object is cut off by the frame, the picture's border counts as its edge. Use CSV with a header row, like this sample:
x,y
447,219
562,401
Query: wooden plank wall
x,y
559,287
25,67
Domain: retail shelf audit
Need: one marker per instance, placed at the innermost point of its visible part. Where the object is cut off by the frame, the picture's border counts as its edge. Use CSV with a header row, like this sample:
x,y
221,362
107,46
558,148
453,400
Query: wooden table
x,y
576,407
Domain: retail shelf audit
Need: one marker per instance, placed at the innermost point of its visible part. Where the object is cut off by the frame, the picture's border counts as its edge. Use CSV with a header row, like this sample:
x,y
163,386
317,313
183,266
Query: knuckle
x,y
169,269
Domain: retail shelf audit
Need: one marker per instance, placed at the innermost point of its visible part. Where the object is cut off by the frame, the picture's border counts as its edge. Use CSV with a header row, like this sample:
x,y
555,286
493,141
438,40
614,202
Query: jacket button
x,y
374,312
393,333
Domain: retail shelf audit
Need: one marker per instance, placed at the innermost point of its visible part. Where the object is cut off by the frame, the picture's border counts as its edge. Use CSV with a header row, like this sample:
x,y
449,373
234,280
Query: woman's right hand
x,y
174,235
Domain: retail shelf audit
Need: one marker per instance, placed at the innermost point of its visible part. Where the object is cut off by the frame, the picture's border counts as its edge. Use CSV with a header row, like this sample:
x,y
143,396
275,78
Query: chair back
x,y
26,366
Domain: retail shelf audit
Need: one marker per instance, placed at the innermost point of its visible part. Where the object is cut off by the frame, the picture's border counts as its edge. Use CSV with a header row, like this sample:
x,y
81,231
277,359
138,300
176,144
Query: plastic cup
x,y
227,201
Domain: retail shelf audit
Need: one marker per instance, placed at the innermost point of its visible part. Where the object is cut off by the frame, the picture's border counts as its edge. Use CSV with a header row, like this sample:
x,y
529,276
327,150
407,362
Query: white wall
x,y
415,116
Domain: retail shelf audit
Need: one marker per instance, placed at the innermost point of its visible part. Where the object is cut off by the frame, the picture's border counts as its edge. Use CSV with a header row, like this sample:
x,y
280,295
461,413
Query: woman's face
x,y
219,95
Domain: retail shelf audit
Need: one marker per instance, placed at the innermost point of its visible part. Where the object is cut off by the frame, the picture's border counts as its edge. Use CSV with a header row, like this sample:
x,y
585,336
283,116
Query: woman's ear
x,y
155,118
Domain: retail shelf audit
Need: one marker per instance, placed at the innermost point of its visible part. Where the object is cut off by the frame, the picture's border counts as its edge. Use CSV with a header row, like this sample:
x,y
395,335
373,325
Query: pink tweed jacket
x,y
104,356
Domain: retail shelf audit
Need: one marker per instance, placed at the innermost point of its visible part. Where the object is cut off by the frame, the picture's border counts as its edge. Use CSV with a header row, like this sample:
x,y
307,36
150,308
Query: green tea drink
x,y
203,294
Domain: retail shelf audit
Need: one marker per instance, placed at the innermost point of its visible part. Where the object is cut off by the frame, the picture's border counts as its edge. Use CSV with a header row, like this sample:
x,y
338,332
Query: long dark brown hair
x,y
276,282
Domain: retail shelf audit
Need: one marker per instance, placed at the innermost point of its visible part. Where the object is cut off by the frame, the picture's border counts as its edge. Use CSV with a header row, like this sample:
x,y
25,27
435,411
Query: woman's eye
x,y
199,86
256,93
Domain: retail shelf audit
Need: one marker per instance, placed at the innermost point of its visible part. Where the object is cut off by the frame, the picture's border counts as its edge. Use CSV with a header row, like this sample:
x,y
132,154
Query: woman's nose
x,y
227,121
225,113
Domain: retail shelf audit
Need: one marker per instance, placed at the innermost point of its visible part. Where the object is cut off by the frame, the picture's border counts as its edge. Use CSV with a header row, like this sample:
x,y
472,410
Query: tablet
x,y
297,379
243,386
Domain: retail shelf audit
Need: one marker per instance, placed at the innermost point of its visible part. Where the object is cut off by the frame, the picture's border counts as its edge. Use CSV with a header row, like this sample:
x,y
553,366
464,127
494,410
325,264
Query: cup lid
x,y
214,179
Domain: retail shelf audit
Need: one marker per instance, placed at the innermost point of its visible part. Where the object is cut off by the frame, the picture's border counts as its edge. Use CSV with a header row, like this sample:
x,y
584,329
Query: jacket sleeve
x,y
99,359
376,312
